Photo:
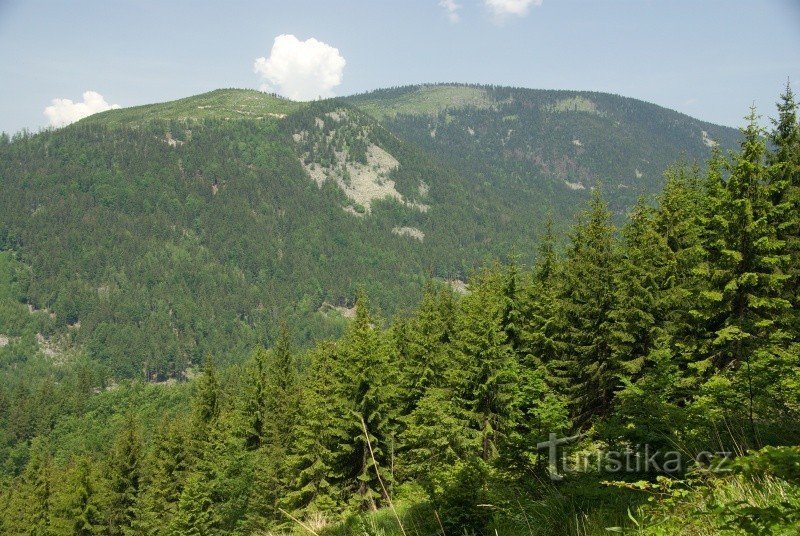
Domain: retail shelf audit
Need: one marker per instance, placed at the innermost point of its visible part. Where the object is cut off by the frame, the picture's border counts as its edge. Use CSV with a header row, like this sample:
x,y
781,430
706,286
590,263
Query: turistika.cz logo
x,y
640,459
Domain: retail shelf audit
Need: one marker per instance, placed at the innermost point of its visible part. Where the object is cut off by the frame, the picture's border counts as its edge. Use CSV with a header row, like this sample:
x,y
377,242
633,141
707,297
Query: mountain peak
x,y
223,104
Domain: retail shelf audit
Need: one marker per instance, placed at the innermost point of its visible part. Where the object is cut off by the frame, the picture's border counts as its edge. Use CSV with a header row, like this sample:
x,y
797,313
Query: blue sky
x,y
709,59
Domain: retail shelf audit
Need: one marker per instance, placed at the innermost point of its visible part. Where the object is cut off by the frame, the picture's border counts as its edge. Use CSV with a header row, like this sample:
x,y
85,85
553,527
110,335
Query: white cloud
x,y
452,9
63,111
504,8
301,70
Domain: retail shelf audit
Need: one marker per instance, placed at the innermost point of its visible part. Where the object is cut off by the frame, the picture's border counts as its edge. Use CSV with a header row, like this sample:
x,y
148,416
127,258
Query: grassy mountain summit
x,y
217,104
422,99
158,233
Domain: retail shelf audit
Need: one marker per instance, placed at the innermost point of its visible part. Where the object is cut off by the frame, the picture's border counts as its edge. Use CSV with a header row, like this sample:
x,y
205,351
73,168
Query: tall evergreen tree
x,y
587,300
784,184
38,489
488,364
195,513
639,311
646,300
423,347
256,408
207,399
125,477
362,371
322,428
543,319
746,301
84,511
168,462
282,394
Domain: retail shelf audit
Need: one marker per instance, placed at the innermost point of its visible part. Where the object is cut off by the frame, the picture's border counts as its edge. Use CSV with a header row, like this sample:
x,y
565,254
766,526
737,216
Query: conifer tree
x,y
207,399
488,364
322,429
363,365
38,489
268,488
543,326
587,300
169,461
746,301
539,406
423,347
282,391
438,433
279,395
195,513
693,218
84,511
511,319
645,304
256,410
125,477
646,270
784,184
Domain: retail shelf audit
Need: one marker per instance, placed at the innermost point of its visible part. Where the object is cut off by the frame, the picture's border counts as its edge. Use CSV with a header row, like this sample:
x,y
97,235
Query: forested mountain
x,y
531,147
155,234
660,354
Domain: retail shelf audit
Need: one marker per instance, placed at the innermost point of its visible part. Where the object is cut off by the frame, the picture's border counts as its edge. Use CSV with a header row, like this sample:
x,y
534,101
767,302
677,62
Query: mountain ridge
x,y
280,105
160,233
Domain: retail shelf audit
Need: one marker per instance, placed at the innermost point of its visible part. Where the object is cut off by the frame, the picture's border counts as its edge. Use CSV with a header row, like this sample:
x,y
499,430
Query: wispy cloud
x,y
451,7
301,70
501,9
64,111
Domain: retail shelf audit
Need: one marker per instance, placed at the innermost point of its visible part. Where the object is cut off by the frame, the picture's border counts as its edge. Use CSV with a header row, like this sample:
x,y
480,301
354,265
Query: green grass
x,y
582,507
574,104
218,104
733,504
425,100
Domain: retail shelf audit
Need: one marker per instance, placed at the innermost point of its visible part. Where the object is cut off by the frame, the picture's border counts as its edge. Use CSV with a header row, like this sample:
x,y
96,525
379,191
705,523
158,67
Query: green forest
x,y
670,331
156,234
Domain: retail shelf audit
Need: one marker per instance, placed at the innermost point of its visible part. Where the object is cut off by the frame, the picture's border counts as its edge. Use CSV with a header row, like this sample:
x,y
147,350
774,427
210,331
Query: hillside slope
x,y
545,144
160,233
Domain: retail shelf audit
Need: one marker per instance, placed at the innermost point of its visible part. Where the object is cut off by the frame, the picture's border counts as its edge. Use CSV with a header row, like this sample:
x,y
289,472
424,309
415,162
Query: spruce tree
x,y
488,365
125,477
207,398
587,299
84,511
282,391
746,301
38,489
322,428
540,405
362,372
645,304
639,310
784,184
256,409
511,316
438,433
168,463
195,513
423,347
543,318
699,247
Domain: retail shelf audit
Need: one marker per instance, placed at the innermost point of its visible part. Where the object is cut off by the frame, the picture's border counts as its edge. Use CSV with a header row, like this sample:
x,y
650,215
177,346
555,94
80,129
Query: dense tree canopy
x,y
676,327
